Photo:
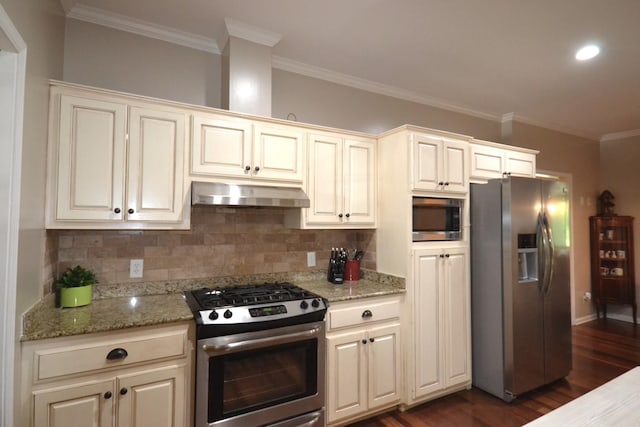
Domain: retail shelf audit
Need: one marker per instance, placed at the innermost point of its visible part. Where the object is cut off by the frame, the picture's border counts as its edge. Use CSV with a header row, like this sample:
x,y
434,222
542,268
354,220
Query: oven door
x,y
260,378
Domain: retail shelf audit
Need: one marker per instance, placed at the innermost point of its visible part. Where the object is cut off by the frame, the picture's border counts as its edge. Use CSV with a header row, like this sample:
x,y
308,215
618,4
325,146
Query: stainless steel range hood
x,y
207,193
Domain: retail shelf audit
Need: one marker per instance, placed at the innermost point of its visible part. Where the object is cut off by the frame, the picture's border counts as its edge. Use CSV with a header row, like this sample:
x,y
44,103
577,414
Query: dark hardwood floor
x,y
602,350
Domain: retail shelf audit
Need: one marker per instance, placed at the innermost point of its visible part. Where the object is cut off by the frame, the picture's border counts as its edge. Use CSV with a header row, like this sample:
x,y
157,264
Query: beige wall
x,y
620,174
579,157
107,58
41,25
330,104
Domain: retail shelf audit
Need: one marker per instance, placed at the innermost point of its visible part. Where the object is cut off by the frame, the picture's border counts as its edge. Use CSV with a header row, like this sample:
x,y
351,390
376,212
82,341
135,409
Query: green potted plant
x,y
75,287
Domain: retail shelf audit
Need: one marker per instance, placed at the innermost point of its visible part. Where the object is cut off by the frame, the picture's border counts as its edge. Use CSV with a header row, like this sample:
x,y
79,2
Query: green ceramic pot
x,y
76,297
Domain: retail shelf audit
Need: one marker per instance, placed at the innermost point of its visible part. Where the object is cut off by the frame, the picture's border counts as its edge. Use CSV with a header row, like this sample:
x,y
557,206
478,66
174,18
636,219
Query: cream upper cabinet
x,y
440,359
115,164
492,161
341,182
71,382
363,358
439,164
231,147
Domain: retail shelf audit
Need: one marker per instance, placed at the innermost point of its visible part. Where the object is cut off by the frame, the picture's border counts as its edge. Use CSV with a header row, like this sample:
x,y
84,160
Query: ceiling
x,y
487,58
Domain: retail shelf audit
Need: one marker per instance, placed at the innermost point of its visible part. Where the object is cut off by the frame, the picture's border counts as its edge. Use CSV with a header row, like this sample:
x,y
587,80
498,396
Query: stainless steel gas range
x,y
260,356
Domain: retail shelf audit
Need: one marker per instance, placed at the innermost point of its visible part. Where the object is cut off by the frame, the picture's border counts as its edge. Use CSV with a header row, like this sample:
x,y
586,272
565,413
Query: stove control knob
x,y
213,315
304,305
227,314
315,303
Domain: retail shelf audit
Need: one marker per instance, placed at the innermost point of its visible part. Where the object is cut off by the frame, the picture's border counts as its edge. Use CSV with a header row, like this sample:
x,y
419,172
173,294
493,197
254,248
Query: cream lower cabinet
x,y
439,164
115,162
489,160
341,182
440,352
71,382
231,147
363,358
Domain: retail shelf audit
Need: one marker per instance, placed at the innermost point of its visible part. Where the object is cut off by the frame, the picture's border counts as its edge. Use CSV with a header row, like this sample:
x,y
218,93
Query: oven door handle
x,y
255,343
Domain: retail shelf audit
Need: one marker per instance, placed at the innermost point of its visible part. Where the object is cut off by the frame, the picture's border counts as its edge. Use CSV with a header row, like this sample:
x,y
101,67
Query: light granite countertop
x,y
121,306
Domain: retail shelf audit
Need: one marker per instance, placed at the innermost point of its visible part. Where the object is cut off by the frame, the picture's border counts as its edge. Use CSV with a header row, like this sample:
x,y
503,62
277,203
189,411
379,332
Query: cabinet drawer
x,y
356,314
91,354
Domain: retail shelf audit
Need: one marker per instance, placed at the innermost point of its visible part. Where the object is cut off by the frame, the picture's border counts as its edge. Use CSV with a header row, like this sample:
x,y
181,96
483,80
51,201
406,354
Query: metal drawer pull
x,y
366,314
117,354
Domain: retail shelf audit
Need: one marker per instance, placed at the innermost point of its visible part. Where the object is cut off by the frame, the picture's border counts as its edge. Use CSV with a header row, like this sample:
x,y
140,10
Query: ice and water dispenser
x,y
527,258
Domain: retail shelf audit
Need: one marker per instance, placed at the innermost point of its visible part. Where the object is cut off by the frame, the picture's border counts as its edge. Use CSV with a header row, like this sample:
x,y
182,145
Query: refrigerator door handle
x,y
541,238
550,253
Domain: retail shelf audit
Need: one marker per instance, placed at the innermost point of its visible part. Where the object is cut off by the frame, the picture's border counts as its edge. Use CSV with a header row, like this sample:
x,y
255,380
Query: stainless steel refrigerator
x,y
520,290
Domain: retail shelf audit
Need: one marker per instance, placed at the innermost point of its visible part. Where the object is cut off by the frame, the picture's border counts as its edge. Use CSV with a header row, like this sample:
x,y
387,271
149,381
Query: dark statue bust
x,y
605,202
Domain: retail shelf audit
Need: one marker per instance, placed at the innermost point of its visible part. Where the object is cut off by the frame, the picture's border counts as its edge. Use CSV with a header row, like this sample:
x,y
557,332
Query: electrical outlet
x,y
136,268
311,259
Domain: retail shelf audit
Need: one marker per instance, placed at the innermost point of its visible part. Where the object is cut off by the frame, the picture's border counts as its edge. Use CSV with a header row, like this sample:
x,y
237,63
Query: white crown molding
x,y
251,33
371,86
620,135
67,5
143,28
512,117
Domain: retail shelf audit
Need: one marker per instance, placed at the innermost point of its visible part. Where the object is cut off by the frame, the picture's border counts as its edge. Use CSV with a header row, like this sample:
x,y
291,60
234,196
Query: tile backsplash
x,y
222,242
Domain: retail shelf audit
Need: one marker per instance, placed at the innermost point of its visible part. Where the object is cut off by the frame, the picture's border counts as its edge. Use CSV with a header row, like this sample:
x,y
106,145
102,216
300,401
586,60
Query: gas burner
x,y
231,309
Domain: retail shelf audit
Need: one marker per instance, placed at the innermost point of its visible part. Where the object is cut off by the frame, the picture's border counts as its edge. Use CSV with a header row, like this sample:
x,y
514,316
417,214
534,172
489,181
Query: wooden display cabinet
x,y
612,262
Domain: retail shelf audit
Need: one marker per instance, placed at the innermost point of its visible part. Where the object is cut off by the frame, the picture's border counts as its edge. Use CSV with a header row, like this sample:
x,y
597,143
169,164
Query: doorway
x,y
13,59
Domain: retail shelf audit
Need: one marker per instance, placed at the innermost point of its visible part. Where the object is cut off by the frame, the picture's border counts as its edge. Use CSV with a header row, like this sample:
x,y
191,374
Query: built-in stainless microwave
x,y
437,218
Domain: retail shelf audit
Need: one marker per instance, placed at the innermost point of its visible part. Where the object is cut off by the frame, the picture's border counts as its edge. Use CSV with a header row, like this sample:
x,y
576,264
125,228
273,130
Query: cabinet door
x,y
359,182
427,307
520,164
155,190
153,398
325,180
346,376
383,352
90,166
456,317
486,162
454,159
89,404
426,162
221,146
278,152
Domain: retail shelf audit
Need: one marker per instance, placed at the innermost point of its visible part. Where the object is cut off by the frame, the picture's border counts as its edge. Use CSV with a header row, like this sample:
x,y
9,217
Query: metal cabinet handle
x,y
364,341
348,215
123,391
117,354
372,339
131,211
340,215
108,395
257,169
366,314
247,168
117,210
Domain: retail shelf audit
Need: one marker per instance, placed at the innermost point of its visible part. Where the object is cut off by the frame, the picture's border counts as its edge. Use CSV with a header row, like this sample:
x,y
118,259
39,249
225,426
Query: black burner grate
x,y
243,295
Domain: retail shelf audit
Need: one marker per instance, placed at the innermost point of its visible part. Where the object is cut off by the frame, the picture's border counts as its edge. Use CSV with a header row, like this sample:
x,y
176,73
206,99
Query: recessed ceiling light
x,y
587,52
